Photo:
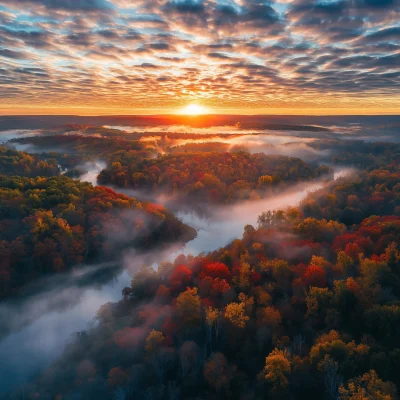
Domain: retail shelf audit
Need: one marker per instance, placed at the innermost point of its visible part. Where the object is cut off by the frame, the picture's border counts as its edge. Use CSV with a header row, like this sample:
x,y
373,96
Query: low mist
x,y
225,223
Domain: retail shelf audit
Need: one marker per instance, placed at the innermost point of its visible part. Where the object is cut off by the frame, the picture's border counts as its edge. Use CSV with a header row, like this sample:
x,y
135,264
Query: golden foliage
x,y
188,305
235,313
368,386
277,368
154,341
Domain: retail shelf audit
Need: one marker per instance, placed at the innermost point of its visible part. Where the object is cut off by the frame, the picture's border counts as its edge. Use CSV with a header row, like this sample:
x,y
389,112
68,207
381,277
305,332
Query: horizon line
x,y
201,115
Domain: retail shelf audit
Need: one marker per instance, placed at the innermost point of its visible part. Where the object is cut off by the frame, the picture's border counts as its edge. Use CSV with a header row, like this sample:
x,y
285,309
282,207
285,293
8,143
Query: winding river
x,y
35,329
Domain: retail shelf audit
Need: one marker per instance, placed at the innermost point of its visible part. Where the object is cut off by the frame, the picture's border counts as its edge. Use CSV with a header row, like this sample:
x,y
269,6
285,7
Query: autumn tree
x,y
212,323
277,370
188,306
218,373
368,386
235,314
154,341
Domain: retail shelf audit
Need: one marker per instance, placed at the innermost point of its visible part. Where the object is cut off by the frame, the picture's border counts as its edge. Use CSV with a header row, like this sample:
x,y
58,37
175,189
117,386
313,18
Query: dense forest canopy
x,y
50,224
300,307
305,305
18,163
215,177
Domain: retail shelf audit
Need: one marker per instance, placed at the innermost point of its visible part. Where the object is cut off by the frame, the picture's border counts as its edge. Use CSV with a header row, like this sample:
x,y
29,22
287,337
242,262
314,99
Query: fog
x,y
226,223
5,136
36,329
92,171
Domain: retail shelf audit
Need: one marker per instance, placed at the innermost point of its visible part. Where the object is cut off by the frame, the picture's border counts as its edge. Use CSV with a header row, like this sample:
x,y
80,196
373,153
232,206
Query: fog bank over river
x,y
36,329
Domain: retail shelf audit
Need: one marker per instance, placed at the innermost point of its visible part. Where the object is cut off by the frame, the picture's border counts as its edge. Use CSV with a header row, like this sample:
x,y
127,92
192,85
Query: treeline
x,y
214,177
88,146
358,153
350,201
50,224
19,163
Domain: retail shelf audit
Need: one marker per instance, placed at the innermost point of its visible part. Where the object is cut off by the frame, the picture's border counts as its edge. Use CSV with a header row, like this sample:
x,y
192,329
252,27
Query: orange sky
x,y
89,111
303,57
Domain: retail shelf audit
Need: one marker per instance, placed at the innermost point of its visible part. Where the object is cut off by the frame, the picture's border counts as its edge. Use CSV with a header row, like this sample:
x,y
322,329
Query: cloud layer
x,y
161,54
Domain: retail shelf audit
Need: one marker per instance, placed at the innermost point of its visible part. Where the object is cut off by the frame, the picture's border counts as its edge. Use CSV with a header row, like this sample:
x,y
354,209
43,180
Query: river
x,y
36,328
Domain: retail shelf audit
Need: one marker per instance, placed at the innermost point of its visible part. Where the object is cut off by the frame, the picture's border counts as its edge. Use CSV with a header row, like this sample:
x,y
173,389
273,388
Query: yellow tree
x,y
235,314
154,341
277,369
212,322
188,306
242,281
368,386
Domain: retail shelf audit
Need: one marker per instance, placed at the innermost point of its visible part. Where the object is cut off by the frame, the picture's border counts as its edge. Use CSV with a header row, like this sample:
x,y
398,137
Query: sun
x,y
193,109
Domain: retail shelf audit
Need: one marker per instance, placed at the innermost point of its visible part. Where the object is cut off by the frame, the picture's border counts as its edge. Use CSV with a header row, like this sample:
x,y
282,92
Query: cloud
x,y
72,5
230,53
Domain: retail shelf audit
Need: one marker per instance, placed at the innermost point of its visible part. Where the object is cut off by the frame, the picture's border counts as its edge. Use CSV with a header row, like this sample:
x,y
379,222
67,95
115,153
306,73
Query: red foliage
x,y
255,277
300,270
352,285
353,250
180,277
207,302
340,242
154,208
129,337
213,287
197,265
315,276
215,270
163,294
220,286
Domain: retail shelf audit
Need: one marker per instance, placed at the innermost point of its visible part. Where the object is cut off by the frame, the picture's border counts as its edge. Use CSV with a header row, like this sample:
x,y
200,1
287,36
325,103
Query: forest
x,y
213,177
18,163
304,304
49,224
300,307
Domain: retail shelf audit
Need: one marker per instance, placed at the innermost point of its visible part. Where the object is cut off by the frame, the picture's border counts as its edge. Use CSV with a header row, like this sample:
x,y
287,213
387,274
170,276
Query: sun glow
x,y
193,109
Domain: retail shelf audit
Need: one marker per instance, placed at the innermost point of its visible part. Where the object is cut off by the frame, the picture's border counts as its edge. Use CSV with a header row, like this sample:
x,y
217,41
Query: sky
x,y
94,57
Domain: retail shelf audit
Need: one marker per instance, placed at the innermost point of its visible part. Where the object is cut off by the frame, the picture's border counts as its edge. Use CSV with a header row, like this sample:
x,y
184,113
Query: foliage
x,y
214,177
50,224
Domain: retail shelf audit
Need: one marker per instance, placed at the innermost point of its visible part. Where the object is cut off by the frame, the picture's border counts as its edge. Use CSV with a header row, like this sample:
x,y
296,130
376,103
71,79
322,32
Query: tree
x,y
117,377
154,341
242,280
269,316
332,379
189,358
180,277
345,263
368,386
212,322
235,314
188,306
315,276
318,301
216,270
277,369
218,373
265,181
271,219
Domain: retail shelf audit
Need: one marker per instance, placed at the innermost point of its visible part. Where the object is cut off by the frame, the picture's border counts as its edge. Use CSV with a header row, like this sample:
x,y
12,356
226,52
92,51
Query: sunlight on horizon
x,y
194,109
